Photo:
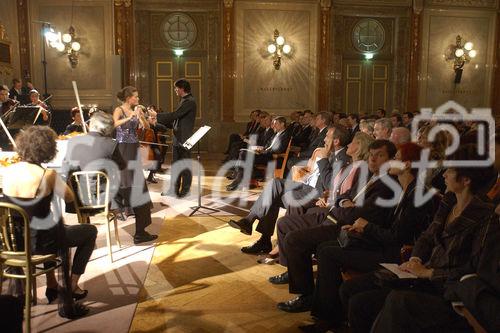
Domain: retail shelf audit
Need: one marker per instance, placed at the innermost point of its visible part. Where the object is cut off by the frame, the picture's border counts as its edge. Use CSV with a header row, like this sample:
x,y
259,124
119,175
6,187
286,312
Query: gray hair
x,y
102,123
385,122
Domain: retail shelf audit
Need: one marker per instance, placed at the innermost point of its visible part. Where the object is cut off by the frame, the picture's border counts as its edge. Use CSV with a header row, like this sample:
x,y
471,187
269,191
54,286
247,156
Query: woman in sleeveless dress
x,y
32,187
128,117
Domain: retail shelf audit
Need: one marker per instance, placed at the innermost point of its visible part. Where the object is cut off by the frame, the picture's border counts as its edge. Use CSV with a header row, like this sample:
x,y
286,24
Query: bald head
x,y
400,135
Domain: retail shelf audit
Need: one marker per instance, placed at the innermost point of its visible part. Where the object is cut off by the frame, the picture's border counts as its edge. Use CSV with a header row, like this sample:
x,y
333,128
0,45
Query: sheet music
x,y
400,273
196,137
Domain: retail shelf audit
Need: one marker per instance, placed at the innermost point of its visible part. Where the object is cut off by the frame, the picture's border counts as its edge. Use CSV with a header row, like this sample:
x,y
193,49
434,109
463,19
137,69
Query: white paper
x,y
398,271
196,137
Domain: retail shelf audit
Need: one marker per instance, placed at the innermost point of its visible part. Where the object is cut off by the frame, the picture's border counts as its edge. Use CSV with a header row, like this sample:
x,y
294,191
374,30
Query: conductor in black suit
x,y
182,122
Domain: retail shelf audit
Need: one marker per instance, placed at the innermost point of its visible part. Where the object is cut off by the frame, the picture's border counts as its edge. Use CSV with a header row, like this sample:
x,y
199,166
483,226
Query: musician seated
x,y
35,101
4,99
154,129
77,124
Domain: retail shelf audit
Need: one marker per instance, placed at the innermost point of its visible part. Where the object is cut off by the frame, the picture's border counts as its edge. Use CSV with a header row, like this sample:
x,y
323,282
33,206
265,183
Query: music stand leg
x,y
200,206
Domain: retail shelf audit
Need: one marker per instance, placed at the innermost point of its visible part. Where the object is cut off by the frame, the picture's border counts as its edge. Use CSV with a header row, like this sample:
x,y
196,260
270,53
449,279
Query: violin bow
x,y
75,88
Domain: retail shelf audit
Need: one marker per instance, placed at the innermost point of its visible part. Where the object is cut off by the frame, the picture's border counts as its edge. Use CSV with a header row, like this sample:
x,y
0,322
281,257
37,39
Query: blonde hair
x,y
364,142
368,124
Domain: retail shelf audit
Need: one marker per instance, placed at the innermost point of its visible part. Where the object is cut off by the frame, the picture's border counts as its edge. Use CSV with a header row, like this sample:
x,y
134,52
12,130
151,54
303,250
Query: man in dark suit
x,y
16,92
262,155
299,236
182,122
302,138
323,120
294,196
237,140
353,120
97,151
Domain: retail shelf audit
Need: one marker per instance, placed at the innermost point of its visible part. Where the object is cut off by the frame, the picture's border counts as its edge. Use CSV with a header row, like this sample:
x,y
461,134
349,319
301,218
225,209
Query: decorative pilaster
x,y
324,56
24,40
124,38
414,61
228,55
496,74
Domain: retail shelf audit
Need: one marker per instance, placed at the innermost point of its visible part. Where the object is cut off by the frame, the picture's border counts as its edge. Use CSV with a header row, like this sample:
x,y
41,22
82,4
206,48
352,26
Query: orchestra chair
x,y
13,255
92,200
278,172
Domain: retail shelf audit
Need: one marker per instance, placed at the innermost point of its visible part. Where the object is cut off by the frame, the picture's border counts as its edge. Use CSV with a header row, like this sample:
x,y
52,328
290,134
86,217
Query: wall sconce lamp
x,y
278,48
64,43
460,55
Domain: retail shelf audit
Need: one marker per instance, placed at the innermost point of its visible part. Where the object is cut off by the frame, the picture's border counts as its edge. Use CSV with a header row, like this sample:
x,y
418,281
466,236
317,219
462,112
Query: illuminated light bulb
x,y
459,53
368,56
472,53
271,48
178,52
468,46
280,40
60,47
287,48
66,38
76,46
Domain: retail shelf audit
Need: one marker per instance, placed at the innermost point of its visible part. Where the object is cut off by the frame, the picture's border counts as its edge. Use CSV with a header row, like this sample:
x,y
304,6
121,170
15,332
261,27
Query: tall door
x,y
367,86
167,71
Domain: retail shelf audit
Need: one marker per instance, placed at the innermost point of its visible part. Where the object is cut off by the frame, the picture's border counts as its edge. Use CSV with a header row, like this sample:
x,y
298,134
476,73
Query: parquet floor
x,y
199,281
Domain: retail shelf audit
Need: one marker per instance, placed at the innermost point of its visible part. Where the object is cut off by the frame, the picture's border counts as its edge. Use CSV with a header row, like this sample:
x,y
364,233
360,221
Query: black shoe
x,y
152,179
231,174
300,303
243,225
260,246
51,294
73,311
79,296
279,279
144,237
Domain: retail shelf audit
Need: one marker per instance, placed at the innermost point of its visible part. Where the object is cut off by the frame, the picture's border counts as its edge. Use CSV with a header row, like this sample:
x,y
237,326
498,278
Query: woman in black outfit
x,y
32,187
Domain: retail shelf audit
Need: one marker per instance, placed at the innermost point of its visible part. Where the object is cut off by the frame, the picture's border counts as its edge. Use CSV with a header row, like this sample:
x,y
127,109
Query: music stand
x,y
195,139
22,116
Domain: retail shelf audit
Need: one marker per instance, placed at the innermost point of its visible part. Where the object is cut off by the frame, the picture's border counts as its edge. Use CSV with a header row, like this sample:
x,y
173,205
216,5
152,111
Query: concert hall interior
x,y
249,166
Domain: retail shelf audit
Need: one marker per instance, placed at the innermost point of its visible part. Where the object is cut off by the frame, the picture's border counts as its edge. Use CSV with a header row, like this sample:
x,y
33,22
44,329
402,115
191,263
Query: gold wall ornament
x,y
228,3
278,49
125,3
460,54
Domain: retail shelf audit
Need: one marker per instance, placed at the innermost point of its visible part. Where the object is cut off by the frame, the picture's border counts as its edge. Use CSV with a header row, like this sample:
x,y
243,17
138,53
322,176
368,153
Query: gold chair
x,y
13,255
92,201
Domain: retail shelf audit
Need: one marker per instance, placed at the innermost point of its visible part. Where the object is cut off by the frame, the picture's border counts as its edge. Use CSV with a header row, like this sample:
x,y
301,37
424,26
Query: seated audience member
x,y
371,244
366,126
252,127
264,134
262,155
95,151
353,124
396,120
77,124
400,135
380,113
440,257
437,147
307,231
407,119
295,126
282,193
347,179
323,120
32,187
478,290
382,129
302,139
